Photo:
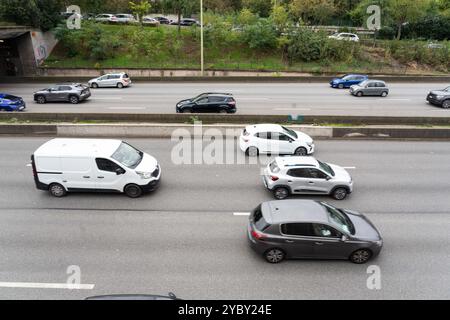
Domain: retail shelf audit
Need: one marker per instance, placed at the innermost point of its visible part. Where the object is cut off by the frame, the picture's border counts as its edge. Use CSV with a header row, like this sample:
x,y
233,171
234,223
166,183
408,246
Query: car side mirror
x,y
328,178
344,238
120,171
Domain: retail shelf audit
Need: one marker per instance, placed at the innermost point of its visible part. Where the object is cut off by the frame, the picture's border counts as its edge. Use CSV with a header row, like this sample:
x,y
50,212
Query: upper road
x,y
405,99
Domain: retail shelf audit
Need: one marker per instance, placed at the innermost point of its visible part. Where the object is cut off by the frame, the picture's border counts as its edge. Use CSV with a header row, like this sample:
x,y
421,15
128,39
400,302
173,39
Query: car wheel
x,y
74,99
120,85
361,256
274,255
281,193
252,152
384,94
359,94
187,110
301,152
446,104
41,100
341,86
223,111
57,190
133,191
340,193
94,85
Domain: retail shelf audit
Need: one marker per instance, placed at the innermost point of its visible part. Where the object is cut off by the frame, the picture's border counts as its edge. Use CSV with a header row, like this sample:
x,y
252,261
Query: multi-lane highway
x,y
405,99
189,236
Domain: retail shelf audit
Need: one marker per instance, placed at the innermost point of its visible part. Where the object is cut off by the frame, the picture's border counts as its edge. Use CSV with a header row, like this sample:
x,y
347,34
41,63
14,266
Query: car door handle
x,y
290,181
319,243
101,177
290,241
86,177
311,182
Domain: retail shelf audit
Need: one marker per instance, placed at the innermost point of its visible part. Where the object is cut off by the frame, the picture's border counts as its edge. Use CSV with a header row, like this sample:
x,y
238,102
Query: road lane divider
x,y
243,214
39,285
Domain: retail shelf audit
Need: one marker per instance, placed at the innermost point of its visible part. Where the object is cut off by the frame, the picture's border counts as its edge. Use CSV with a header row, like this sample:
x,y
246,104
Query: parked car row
x,y
278,230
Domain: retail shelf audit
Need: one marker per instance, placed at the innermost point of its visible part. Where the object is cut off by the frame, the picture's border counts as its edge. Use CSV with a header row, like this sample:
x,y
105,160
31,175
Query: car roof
x,y
68,84
265,127
297,162
284,211
78,148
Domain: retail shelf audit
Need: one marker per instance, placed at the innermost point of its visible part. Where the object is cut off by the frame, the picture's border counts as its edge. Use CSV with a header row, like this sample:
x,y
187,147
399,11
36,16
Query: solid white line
x,y
107,98
254,99
395,99
241,214
35,285
292,109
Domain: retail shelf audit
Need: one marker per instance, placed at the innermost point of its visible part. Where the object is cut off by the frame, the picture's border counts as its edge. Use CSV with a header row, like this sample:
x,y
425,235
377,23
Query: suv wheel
x,y
133,191
57,190
94,85
74,99
340,193
274,255
252,152
446,104
41,99
301,152
281,193
359,94
120,85
361,256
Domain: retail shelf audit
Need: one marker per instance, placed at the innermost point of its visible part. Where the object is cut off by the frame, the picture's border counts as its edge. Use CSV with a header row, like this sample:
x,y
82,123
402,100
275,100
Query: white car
x,y
345,36
96,165
125,18
150,21
275,139
113,80
306,175
105,17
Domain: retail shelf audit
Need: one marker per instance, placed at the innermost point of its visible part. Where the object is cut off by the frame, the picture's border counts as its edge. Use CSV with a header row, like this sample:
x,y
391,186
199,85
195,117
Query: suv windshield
x,y
325,167
128,156
339,219
290,132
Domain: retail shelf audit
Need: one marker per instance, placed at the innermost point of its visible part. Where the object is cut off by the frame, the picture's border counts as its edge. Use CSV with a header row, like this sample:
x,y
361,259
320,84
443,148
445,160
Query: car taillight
x,y
232,103
257,235
274,178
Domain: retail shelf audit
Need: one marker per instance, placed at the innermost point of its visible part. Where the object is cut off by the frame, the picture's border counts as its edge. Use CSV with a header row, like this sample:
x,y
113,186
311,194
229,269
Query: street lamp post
x,y
202,57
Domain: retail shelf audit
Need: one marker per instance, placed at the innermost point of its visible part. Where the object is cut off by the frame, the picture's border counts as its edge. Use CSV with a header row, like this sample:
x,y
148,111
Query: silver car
x,y
370,88
113,80
306,229
306,175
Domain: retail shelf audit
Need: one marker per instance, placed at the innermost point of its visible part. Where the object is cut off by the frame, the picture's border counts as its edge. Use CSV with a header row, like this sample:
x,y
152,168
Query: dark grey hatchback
x,y
307,229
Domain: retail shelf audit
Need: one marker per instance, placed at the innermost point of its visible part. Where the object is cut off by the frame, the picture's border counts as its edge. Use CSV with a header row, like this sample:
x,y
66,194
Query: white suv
x,y
117,80
306,175
275,139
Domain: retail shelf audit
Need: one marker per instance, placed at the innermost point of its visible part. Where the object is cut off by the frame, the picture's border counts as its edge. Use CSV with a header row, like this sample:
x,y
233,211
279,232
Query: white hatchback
x,y
275,139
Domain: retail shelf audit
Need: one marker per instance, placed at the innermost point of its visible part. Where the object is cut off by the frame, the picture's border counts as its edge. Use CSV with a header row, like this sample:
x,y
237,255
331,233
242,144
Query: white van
x,y
99,165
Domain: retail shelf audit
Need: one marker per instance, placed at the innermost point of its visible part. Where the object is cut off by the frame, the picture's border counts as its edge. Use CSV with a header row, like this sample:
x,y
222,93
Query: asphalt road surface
x,y
405,99
189,236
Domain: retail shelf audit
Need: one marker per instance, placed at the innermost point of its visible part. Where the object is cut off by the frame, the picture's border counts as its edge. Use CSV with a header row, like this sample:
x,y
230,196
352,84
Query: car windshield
x,y
199,97
339,219
325,167
363,84
290,132
128,156
447,89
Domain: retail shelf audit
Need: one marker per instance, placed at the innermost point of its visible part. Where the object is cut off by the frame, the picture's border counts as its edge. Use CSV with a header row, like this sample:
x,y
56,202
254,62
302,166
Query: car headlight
x,y
144,175
310,143
379,243
439,97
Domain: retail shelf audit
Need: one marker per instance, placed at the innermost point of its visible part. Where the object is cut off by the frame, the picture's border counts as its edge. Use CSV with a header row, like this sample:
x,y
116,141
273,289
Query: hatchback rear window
x,y
274,167
258,219
125,76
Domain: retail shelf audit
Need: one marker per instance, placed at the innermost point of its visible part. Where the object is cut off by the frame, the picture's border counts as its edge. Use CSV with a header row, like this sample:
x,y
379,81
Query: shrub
x,y
261,35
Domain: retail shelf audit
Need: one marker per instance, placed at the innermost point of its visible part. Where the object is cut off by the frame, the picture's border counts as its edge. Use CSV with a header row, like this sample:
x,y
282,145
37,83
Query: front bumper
x,y
311,148
434,101
154,184
84,96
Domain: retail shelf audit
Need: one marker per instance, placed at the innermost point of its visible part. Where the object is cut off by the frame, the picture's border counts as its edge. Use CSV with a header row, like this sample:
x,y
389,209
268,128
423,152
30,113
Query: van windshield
x,y
128,155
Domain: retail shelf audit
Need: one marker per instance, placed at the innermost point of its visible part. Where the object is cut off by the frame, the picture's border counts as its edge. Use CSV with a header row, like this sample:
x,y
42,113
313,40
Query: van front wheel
x,y
133,191
57,190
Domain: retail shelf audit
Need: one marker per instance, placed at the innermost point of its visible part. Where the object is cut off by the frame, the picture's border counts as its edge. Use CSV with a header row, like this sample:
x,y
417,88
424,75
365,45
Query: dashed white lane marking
x,y
394,99
126,108
108,98
28,165
255,99
241,214
292,109
36,285
349,168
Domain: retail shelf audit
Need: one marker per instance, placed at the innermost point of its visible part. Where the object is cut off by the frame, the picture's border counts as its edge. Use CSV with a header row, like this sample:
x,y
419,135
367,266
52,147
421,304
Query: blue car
x,y
11,103
348,80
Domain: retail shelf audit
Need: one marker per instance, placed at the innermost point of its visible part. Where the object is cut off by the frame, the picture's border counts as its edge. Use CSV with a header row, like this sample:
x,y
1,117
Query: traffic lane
x,y
314,99
206,256
390,177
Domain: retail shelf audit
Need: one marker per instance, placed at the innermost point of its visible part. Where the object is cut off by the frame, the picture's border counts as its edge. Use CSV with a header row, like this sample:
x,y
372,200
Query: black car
x,y
163,20
186,22
440,98
208,102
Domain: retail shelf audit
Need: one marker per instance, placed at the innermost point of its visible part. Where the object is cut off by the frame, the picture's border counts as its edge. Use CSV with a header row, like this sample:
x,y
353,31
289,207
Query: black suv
x,y
73,93
208,102
440,98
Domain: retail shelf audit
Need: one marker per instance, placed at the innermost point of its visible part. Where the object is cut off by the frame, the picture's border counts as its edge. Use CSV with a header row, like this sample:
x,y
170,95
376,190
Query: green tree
x,y
312,11
180,8
140,9
246,17
402,11
259,7
280,17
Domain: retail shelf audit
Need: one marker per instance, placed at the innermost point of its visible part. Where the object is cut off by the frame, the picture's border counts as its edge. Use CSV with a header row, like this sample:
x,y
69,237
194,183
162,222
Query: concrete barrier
x,y
392,133
28,129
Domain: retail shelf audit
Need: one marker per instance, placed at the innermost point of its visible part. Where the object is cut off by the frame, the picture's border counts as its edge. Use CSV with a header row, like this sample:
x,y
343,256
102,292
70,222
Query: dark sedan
x,y
306,229
440,98
9,102
209,103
